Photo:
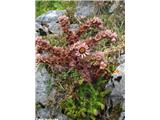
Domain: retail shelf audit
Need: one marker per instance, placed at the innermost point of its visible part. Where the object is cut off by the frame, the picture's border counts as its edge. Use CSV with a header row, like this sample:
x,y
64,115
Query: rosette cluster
x,y
77,54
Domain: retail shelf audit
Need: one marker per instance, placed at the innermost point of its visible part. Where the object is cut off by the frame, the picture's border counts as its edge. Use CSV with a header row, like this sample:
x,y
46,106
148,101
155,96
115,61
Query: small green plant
x,y
86,102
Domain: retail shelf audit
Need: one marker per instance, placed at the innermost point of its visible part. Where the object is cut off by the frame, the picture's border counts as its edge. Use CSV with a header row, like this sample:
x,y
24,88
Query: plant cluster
x,y
82,61
77,54
86,102
83,71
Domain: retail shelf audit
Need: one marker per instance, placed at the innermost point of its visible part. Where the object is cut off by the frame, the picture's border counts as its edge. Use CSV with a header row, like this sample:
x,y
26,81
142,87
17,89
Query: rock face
x,y
88,8
48,23
48,113
42,77
43,96
50,16
84,8
61,117
119,82
121,59
118,86
43,113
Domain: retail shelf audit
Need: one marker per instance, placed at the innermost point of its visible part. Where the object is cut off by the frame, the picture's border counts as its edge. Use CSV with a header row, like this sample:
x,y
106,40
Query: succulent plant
x,y
78,53
84,99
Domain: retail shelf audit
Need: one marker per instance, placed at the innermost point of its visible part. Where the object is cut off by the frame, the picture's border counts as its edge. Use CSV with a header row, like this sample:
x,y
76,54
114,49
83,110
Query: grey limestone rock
x,y
43,113
121,59
50,16
122,116
117,84
47,113
48,22
61,117
84,8
43,96
42,76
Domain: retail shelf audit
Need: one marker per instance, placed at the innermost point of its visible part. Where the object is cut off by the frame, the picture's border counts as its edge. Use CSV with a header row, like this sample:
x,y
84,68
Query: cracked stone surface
x,y
84,8
48,23
43,97
42,76
43,113
118,86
